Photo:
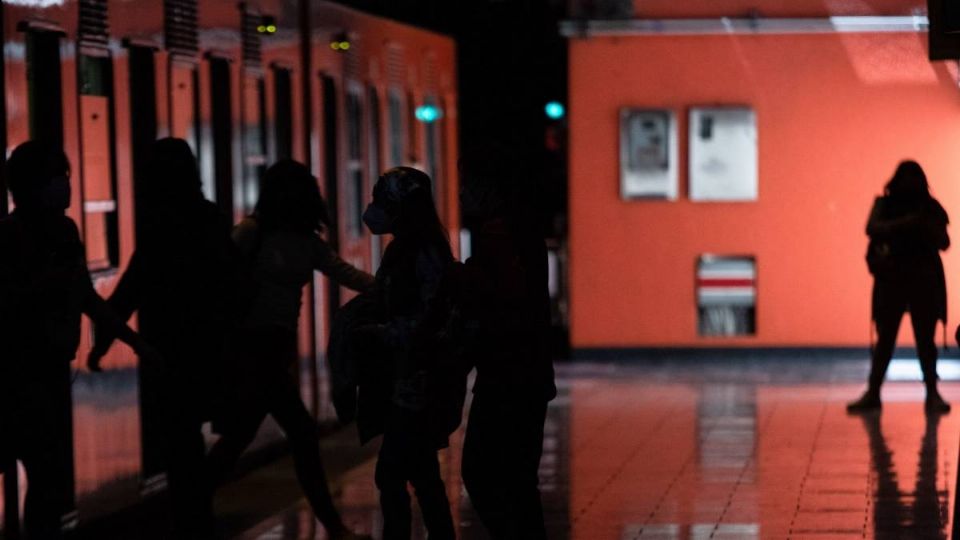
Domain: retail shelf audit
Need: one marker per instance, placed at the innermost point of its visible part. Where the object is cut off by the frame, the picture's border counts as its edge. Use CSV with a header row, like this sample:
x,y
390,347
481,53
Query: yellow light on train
x,y
268,25
340,42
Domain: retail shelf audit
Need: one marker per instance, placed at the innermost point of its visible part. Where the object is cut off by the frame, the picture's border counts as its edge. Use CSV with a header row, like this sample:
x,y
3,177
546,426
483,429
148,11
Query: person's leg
x,y
392,483
301,430
41,517
889,305
235,437
525,511
483,466
924,319
888,326
190,494
43,504
424,473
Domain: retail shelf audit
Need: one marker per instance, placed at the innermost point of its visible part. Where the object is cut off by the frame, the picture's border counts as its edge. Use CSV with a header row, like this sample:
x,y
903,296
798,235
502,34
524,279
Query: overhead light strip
x,y
727,25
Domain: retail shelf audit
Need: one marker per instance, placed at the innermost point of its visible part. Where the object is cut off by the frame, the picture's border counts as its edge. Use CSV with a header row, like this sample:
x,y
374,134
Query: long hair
x,y
909,183
290,199
418,212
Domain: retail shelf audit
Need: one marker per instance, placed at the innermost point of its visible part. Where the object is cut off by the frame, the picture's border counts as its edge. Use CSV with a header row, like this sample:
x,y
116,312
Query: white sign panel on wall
x,y
648,154
723,154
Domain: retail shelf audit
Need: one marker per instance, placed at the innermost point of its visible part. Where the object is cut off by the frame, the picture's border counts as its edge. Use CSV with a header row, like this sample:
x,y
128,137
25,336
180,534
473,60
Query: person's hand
x,y
94,358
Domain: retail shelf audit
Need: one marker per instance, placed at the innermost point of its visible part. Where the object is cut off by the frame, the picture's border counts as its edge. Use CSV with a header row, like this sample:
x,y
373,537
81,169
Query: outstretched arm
x,y
327,261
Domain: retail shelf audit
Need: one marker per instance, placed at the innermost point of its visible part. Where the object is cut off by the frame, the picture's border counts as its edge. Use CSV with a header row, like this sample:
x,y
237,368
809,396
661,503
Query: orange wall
x,y
836,113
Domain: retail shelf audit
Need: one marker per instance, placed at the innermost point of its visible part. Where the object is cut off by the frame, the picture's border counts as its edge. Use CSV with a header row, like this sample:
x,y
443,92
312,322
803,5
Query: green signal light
x,y
428,114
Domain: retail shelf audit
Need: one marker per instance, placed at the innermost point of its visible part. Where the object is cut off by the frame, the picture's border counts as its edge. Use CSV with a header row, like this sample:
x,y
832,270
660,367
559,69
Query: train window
x,y
143,119
185,106
413,141
331,174
374,137
433,136
283,105
395,118
222,132
254,138
45,98
355,161
101,230
375,133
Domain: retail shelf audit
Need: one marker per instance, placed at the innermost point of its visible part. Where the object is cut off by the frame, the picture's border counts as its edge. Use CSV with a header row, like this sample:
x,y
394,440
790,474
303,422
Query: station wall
x,y
835,114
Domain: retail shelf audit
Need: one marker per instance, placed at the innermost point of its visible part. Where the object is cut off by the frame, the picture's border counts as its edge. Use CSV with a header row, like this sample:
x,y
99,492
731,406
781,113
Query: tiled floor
x,y
751,449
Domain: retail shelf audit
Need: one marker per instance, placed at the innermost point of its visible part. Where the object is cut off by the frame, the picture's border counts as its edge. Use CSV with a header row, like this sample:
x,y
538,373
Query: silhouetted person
x,y
44,287
420,413
281,244
907,230
179,281
926,514
515,377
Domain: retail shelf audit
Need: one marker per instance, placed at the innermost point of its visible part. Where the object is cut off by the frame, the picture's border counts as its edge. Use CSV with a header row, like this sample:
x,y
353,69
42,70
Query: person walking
x,y
281,247
179,280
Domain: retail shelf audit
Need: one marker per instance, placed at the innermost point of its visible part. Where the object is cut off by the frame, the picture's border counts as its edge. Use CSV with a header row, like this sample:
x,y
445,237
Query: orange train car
x,y
245,84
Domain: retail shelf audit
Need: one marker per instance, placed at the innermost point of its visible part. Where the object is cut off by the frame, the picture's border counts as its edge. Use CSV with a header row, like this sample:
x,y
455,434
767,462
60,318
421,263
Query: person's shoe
x,y
868,402
936,404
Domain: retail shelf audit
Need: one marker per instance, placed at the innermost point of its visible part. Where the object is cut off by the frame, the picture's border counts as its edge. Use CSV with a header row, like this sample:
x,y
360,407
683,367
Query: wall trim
x,y
700,354
760,25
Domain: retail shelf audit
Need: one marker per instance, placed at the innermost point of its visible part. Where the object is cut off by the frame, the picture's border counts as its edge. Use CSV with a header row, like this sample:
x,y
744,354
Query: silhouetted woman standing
x,y
907,230
419,413
282,247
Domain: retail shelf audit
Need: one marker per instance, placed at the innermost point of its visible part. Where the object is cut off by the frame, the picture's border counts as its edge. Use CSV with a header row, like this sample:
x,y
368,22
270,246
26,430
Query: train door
x,y
144,126
221,131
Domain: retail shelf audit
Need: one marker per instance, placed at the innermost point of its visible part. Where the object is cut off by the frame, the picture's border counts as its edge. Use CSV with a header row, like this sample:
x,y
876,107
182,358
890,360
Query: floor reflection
x,y
737,452
918,513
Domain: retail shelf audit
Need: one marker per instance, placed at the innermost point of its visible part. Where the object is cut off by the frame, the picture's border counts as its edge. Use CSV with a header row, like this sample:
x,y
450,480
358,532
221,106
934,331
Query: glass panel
x,y
254,139
284,113
395,112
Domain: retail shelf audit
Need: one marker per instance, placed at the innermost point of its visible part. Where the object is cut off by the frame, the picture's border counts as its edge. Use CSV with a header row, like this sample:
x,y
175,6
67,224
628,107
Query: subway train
x,y
245,84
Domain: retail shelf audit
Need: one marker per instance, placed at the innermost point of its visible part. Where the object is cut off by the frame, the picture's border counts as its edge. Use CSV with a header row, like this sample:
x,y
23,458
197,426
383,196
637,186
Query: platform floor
x,y
725,450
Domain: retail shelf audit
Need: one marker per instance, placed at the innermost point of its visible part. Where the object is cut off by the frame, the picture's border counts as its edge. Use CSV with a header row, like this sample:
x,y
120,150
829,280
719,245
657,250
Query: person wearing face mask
x,y
44,288
420,409
179,281
281,246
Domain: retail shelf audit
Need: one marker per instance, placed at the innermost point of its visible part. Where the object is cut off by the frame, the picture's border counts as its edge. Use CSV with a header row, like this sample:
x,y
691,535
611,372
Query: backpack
x,y
880,259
